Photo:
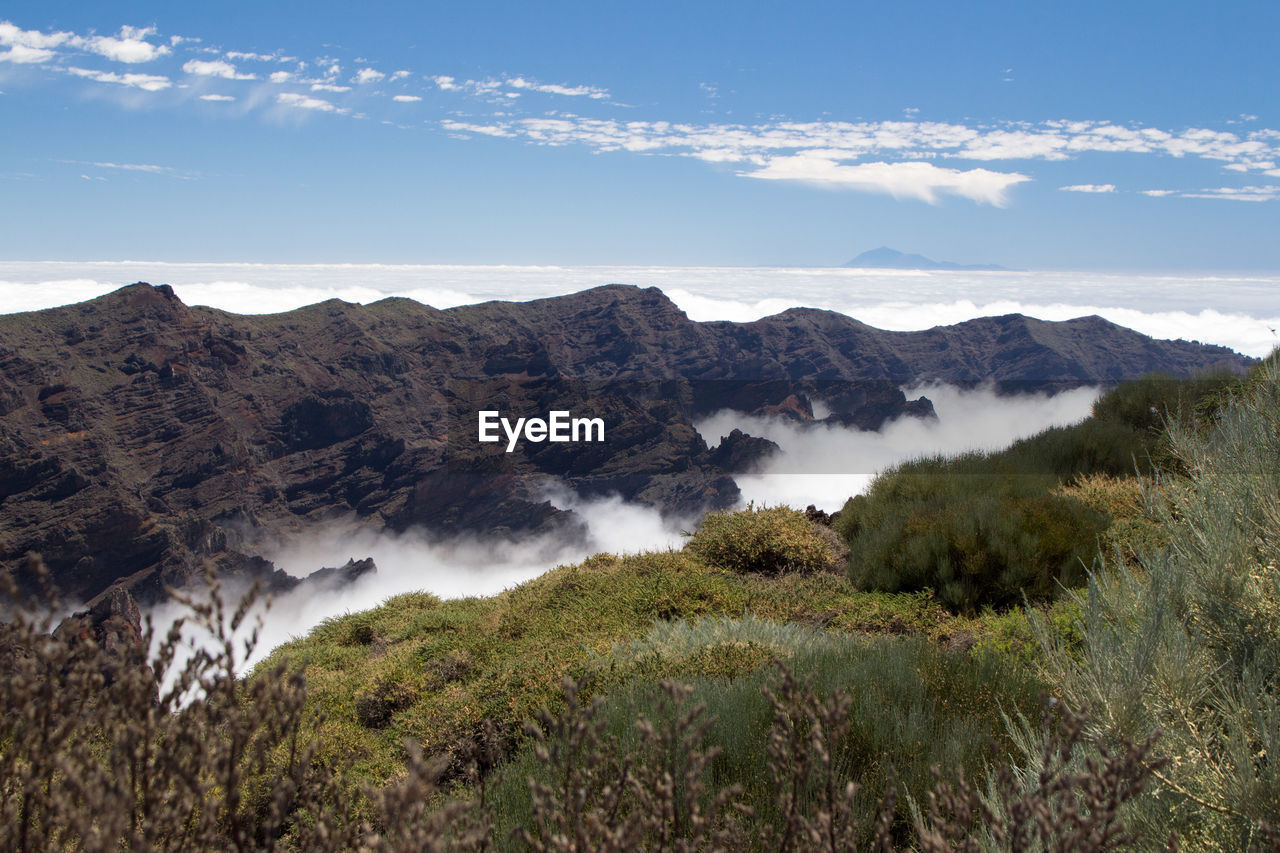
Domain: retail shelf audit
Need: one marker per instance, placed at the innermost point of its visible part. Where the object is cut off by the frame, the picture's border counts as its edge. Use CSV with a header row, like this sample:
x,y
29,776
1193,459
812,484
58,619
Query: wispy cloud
x,y
855,154
1257,193
556,89
909,158
249,56
215,68
1252,193
146,82
293,99
914,180
148,168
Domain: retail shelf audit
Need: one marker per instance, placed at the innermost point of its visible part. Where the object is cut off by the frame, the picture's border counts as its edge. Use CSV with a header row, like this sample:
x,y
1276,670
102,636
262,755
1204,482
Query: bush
x,y
975,539
985,529
769,540
876,713
1188,642
375,707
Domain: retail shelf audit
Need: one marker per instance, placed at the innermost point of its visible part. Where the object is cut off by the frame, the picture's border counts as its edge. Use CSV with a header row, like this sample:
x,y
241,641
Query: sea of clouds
x,y
1238,311
820,465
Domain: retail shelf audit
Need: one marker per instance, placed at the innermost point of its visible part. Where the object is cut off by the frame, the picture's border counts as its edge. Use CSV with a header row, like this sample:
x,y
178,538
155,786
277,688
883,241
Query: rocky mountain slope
x,y
141,437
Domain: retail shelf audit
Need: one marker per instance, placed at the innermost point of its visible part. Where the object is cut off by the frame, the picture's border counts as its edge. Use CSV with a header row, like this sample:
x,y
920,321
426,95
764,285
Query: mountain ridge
x,y
141,437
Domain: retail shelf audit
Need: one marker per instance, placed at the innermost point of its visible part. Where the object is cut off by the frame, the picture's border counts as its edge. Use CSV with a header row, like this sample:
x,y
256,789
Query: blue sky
x,y
1124,136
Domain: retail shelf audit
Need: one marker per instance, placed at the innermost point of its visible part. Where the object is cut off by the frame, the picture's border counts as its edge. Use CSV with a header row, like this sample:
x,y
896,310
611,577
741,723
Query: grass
x,y
914,706
518,645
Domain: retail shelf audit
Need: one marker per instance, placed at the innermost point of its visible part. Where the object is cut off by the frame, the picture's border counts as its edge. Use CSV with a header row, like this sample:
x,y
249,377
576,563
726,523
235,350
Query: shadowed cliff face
x,y
140,437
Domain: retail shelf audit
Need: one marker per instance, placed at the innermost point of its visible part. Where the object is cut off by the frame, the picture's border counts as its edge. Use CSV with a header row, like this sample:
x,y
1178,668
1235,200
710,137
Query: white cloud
x,y
30,46
1089,188
329,87
445,84
463,128
149,168
239,55
293,99
915,140
217,98
1257,194
922,181
215,68
130,46
11,34
23,55
885,156
400,75
281,76
1159,193
367,75
555,89
146,82
407,99
1236,311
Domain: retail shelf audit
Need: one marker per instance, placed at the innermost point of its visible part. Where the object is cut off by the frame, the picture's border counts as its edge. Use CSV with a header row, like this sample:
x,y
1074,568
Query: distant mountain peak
x,y
891,259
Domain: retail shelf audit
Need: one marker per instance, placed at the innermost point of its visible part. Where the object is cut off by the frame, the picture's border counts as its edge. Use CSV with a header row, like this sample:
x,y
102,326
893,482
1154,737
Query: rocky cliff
x,y
141,437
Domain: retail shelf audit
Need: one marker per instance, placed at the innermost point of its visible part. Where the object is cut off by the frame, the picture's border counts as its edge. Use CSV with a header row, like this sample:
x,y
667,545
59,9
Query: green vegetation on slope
x,y
1172,656
1185,640
988,529
449,666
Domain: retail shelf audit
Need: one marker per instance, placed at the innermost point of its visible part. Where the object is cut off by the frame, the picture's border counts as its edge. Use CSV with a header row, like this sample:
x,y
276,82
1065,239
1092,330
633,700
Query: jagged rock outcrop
x,y
740,453
141,438
348,573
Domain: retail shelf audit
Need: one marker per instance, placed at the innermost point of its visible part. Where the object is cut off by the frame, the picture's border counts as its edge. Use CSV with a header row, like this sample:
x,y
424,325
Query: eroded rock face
x,y
141,438
113,622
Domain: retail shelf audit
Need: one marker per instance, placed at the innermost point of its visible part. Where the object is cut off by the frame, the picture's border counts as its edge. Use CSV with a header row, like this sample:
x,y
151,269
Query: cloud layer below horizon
x,y
1239,312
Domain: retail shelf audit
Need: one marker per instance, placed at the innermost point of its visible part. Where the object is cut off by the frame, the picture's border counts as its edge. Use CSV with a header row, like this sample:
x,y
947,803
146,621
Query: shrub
x,y
375,707
768,540
975,539
100,750
905,706
986,529
1188,641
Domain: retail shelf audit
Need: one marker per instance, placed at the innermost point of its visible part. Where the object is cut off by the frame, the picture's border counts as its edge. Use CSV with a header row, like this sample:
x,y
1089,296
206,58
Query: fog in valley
x,y
824,464
820,464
